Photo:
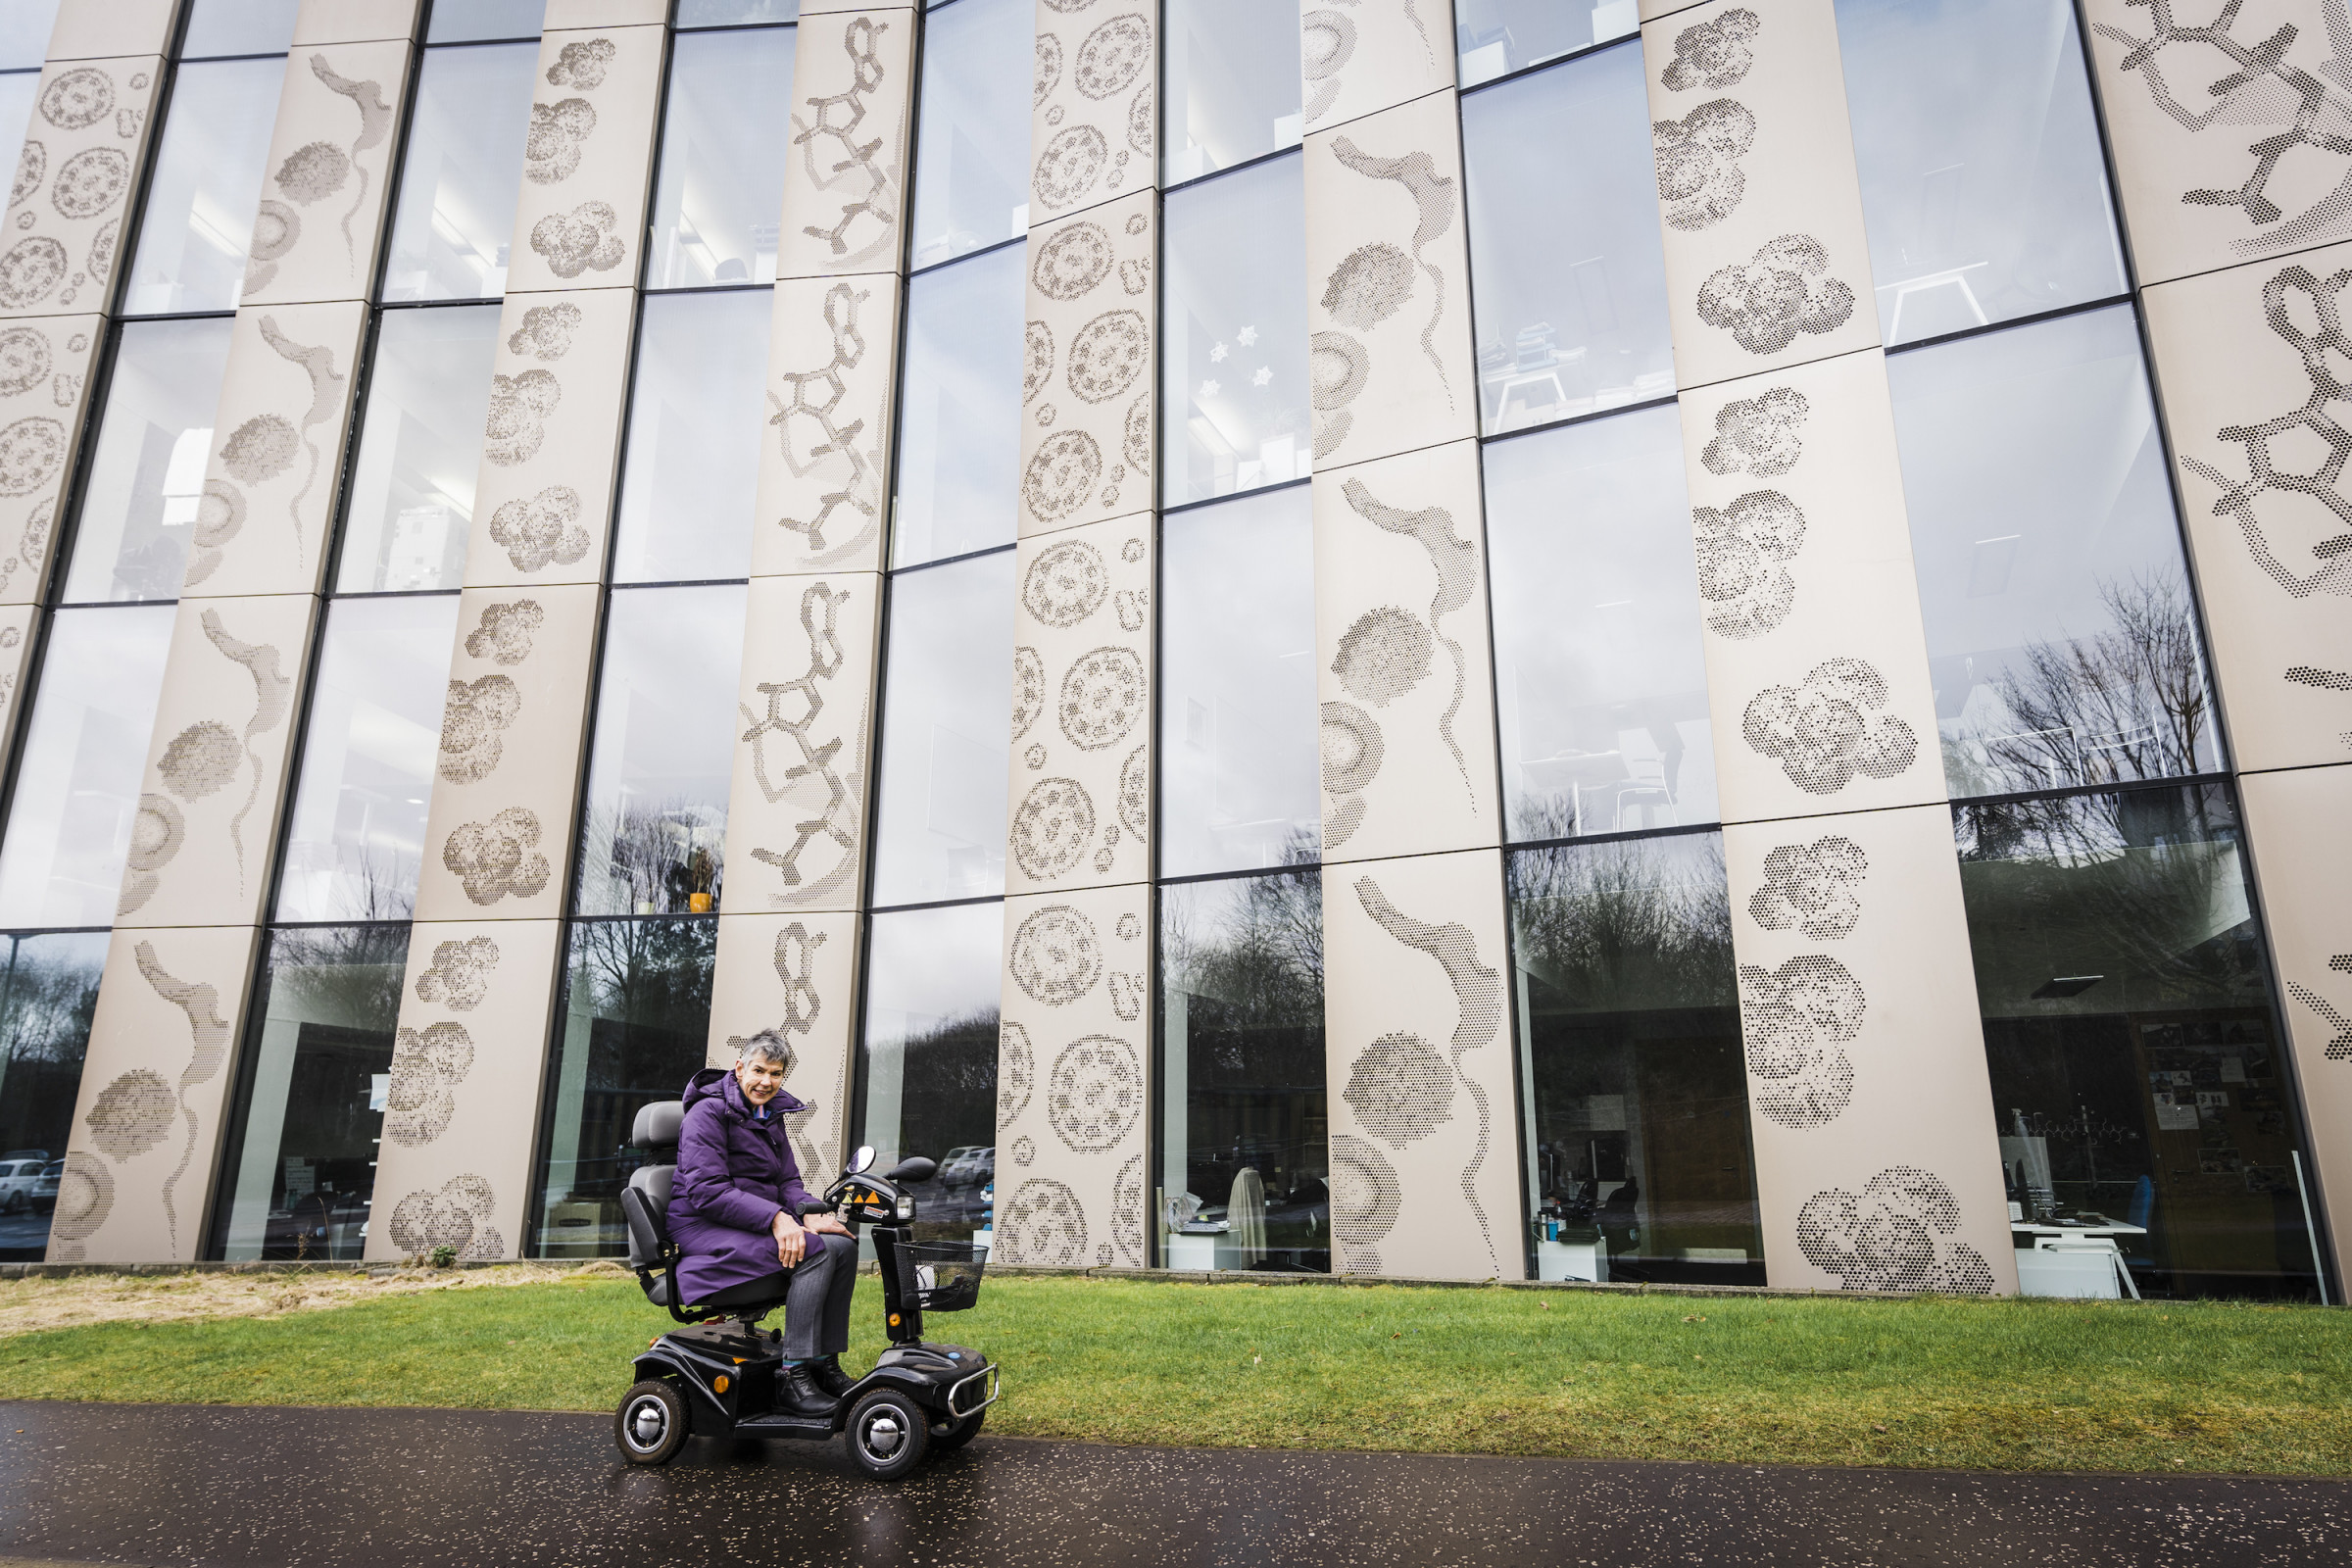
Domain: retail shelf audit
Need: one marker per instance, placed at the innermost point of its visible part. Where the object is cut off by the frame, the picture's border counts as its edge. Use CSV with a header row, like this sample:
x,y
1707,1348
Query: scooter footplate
x,y
784,1426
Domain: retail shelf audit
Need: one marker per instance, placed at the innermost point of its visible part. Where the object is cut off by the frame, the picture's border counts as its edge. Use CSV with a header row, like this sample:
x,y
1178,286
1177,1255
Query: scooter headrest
x,y
658,1124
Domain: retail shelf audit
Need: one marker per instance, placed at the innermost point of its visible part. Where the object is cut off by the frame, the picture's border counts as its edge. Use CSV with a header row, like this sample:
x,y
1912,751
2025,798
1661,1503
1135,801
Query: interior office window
x,y
238,28
1230,81
1598,664
1983,183
654,822
1494,37
690,482
140,502
1638,1166
466,21
461,171
1567,268
1239,765
2140,1080
957,473
206,188
427,399
972,155
315,1098
24,28
725,136
48,991
636,1024
357,831
76,809
927,1059
1245,1167
2061,633
735,13
1235,286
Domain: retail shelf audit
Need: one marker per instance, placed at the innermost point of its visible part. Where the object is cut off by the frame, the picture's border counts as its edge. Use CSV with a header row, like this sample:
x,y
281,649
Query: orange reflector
x,y
894,1320
718,1385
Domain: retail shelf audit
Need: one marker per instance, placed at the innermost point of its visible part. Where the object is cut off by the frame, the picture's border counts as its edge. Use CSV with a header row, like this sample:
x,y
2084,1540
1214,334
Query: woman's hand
x,y
826,1225
792,1242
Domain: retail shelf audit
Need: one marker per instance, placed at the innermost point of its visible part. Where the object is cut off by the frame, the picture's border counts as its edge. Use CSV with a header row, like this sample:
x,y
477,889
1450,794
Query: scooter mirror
x,y
914,1168
861,1159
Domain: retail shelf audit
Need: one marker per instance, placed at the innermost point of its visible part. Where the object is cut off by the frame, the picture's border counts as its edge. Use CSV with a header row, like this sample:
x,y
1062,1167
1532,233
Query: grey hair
x,y
766,1046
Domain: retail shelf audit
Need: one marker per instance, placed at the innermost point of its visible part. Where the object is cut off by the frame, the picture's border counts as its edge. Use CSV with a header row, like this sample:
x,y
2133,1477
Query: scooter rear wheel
x,y
949,1436
888,1434
652,1425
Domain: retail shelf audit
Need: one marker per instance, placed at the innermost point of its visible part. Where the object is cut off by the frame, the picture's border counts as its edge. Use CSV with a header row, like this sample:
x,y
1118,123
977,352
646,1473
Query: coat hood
x,y
718,1083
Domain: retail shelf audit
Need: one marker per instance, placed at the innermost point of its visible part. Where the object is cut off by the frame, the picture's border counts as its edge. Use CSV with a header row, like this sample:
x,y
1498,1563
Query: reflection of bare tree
x,y
48,991
1627,925
655,853
374,885
1259,954
648,973
2127,702
343,974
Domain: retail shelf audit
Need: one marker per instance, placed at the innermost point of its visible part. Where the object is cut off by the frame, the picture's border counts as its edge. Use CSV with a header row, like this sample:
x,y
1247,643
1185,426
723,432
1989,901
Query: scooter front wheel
x,y
652,1426
888,1434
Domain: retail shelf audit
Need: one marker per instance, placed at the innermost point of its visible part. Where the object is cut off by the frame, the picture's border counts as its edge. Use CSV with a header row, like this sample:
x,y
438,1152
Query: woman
x,y
735,1207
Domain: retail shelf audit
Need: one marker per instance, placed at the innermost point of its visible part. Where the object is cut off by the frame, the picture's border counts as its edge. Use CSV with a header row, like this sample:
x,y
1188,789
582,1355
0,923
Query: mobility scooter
x,y
716,1377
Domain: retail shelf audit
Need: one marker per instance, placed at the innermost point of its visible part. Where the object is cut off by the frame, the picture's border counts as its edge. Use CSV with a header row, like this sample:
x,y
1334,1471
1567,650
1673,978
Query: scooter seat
x,y
766,1290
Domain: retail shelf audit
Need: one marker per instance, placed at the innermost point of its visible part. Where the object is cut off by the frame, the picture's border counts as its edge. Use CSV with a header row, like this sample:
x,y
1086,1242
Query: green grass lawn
x,y
1997,1385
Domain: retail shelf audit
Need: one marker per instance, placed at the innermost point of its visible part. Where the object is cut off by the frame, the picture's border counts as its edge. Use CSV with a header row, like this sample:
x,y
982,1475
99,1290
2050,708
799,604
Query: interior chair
x,y
654,1255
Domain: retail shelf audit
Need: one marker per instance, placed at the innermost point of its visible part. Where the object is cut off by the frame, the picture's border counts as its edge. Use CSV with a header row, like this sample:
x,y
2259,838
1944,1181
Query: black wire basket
x,y
941,1276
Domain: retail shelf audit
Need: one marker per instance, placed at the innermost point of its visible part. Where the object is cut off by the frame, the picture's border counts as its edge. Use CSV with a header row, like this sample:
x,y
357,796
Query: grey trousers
x,y
817,1303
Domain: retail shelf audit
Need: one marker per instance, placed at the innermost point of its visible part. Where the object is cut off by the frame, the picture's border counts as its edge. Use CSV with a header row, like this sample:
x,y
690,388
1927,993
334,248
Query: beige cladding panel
x,y
1082,709
325,22
2300,823
1425,1166
824,459
1817,668
84,154
1877,1160
276,462
329,172
1370,55
1072,1067
146,1130
1087,375
45,366
468,1062
1093,131
796,815
588,161
1404,668
2221,128
498,836
1766,262
1389,286
796,975
2255,368
552,440
826,8
1653,10
93,29
216,775
845,182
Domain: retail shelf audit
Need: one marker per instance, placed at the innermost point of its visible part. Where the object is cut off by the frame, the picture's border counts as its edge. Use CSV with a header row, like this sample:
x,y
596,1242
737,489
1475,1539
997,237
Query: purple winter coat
x,y
735,1171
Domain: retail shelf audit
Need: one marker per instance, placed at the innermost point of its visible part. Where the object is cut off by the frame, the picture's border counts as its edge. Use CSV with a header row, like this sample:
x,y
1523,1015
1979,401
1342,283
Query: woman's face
x,y
761,1078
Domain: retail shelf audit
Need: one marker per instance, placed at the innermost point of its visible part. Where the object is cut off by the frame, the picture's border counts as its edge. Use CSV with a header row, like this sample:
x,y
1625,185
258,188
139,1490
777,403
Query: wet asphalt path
x,y
174,1485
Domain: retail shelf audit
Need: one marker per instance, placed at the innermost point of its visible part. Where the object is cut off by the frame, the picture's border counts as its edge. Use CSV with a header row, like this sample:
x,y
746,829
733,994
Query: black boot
x,y
826,1373
798,1393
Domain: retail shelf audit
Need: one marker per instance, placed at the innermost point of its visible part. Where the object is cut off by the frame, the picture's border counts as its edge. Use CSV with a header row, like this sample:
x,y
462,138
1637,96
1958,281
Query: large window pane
x,y
2060,629
959,409
971,156
457,21
461,171
24,28
1495,37
636,1022
2140,1080
927,1062
1246,1174
1637,1158
1231,85
735,13
238,28
315,1085
206,188
420,441
146,478
1236,344
48,991
1567,270
1240,780
1597,658
947,718
368,757
724,140
1983,182
696,420
655,820
76,803
18,89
